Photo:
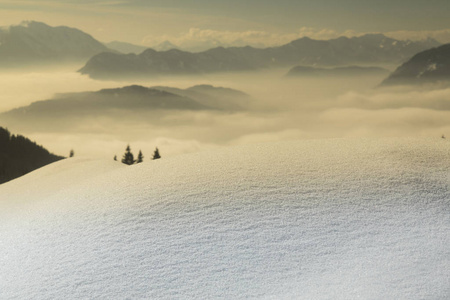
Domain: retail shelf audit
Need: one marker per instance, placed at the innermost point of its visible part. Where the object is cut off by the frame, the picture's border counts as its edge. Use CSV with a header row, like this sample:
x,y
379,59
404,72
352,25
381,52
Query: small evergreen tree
x,y
140,157
128,157
115,157
72,153
156,154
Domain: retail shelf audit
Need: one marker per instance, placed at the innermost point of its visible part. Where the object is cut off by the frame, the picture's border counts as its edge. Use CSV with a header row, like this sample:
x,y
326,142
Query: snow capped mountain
x,y
165,46
428,66
319,219
35,42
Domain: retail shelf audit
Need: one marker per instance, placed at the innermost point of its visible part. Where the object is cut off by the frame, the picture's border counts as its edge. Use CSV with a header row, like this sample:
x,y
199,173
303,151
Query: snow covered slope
x,y
323,219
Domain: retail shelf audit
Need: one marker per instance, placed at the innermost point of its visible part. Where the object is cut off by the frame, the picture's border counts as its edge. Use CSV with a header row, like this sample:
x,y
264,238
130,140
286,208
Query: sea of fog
x,y
281,108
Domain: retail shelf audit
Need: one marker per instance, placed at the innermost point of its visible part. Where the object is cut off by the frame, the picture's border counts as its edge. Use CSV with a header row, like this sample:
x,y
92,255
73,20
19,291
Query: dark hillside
x,y
19,155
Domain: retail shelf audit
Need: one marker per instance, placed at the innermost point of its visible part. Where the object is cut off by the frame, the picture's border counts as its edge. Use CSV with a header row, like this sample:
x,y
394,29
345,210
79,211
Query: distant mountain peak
x,y
33,42
41,25
27,23
132,90
165,45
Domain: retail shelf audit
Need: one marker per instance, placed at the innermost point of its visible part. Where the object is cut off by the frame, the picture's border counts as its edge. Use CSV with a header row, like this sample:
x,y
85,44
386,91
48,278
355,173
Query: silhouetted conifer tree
x,y
156,154
128,157
140,157
115,157
71,153
5,136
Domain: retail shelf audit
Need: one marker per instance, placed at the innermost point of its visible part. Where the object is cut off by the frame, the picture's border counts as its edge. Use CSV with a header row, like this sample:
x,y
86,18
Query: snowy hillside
x,y
322,219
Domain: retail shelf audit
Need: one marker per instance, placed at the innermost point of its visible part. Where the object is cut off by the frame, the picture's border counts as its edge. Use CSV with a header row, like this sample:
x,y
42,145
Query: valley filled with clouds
x,y
277,108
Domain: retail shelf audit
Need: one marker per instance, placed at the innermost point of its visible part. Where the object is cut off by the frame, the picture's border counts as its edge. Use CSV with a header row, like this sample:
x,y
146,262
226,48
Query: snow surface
x,y
321,219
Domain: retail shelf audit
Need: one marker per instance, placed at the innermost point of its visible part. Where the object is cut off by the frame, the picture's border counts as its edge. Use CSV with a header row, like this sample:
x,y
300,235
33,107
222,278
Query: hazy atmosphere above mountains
x,y
201,24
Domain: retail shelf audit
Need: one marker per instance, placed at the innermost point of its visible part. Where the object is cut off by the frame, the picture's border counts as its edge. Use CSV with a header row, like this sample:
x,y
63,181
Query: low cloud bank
x,y
283,109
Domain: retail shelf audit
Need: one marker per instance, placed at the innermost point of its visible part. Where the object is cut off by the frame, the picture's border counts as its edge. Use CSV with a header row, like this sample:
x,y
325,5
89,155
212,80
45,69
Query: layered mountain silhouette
x,y
425,67
132,97
299,71
343,51
19,155
37,43
127,102
152,62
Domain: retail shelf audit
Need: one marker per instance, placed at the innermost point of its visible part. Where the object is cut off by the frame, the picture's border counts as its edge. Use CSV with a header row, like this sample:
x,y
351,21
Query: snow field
x,y
319,219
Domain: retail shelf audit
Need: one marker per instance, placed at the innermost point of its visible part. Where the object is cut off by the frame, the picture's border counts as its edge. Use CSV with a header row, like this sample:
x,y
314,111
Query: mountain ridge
x,y
429,66
33,42
370,48
128,102
128,97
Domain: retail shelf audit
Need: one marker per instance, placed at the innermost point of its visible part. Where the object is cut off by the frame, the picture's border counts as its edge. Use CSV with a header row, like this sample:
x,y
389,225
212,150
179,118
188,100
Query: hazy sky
x,y
150,21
